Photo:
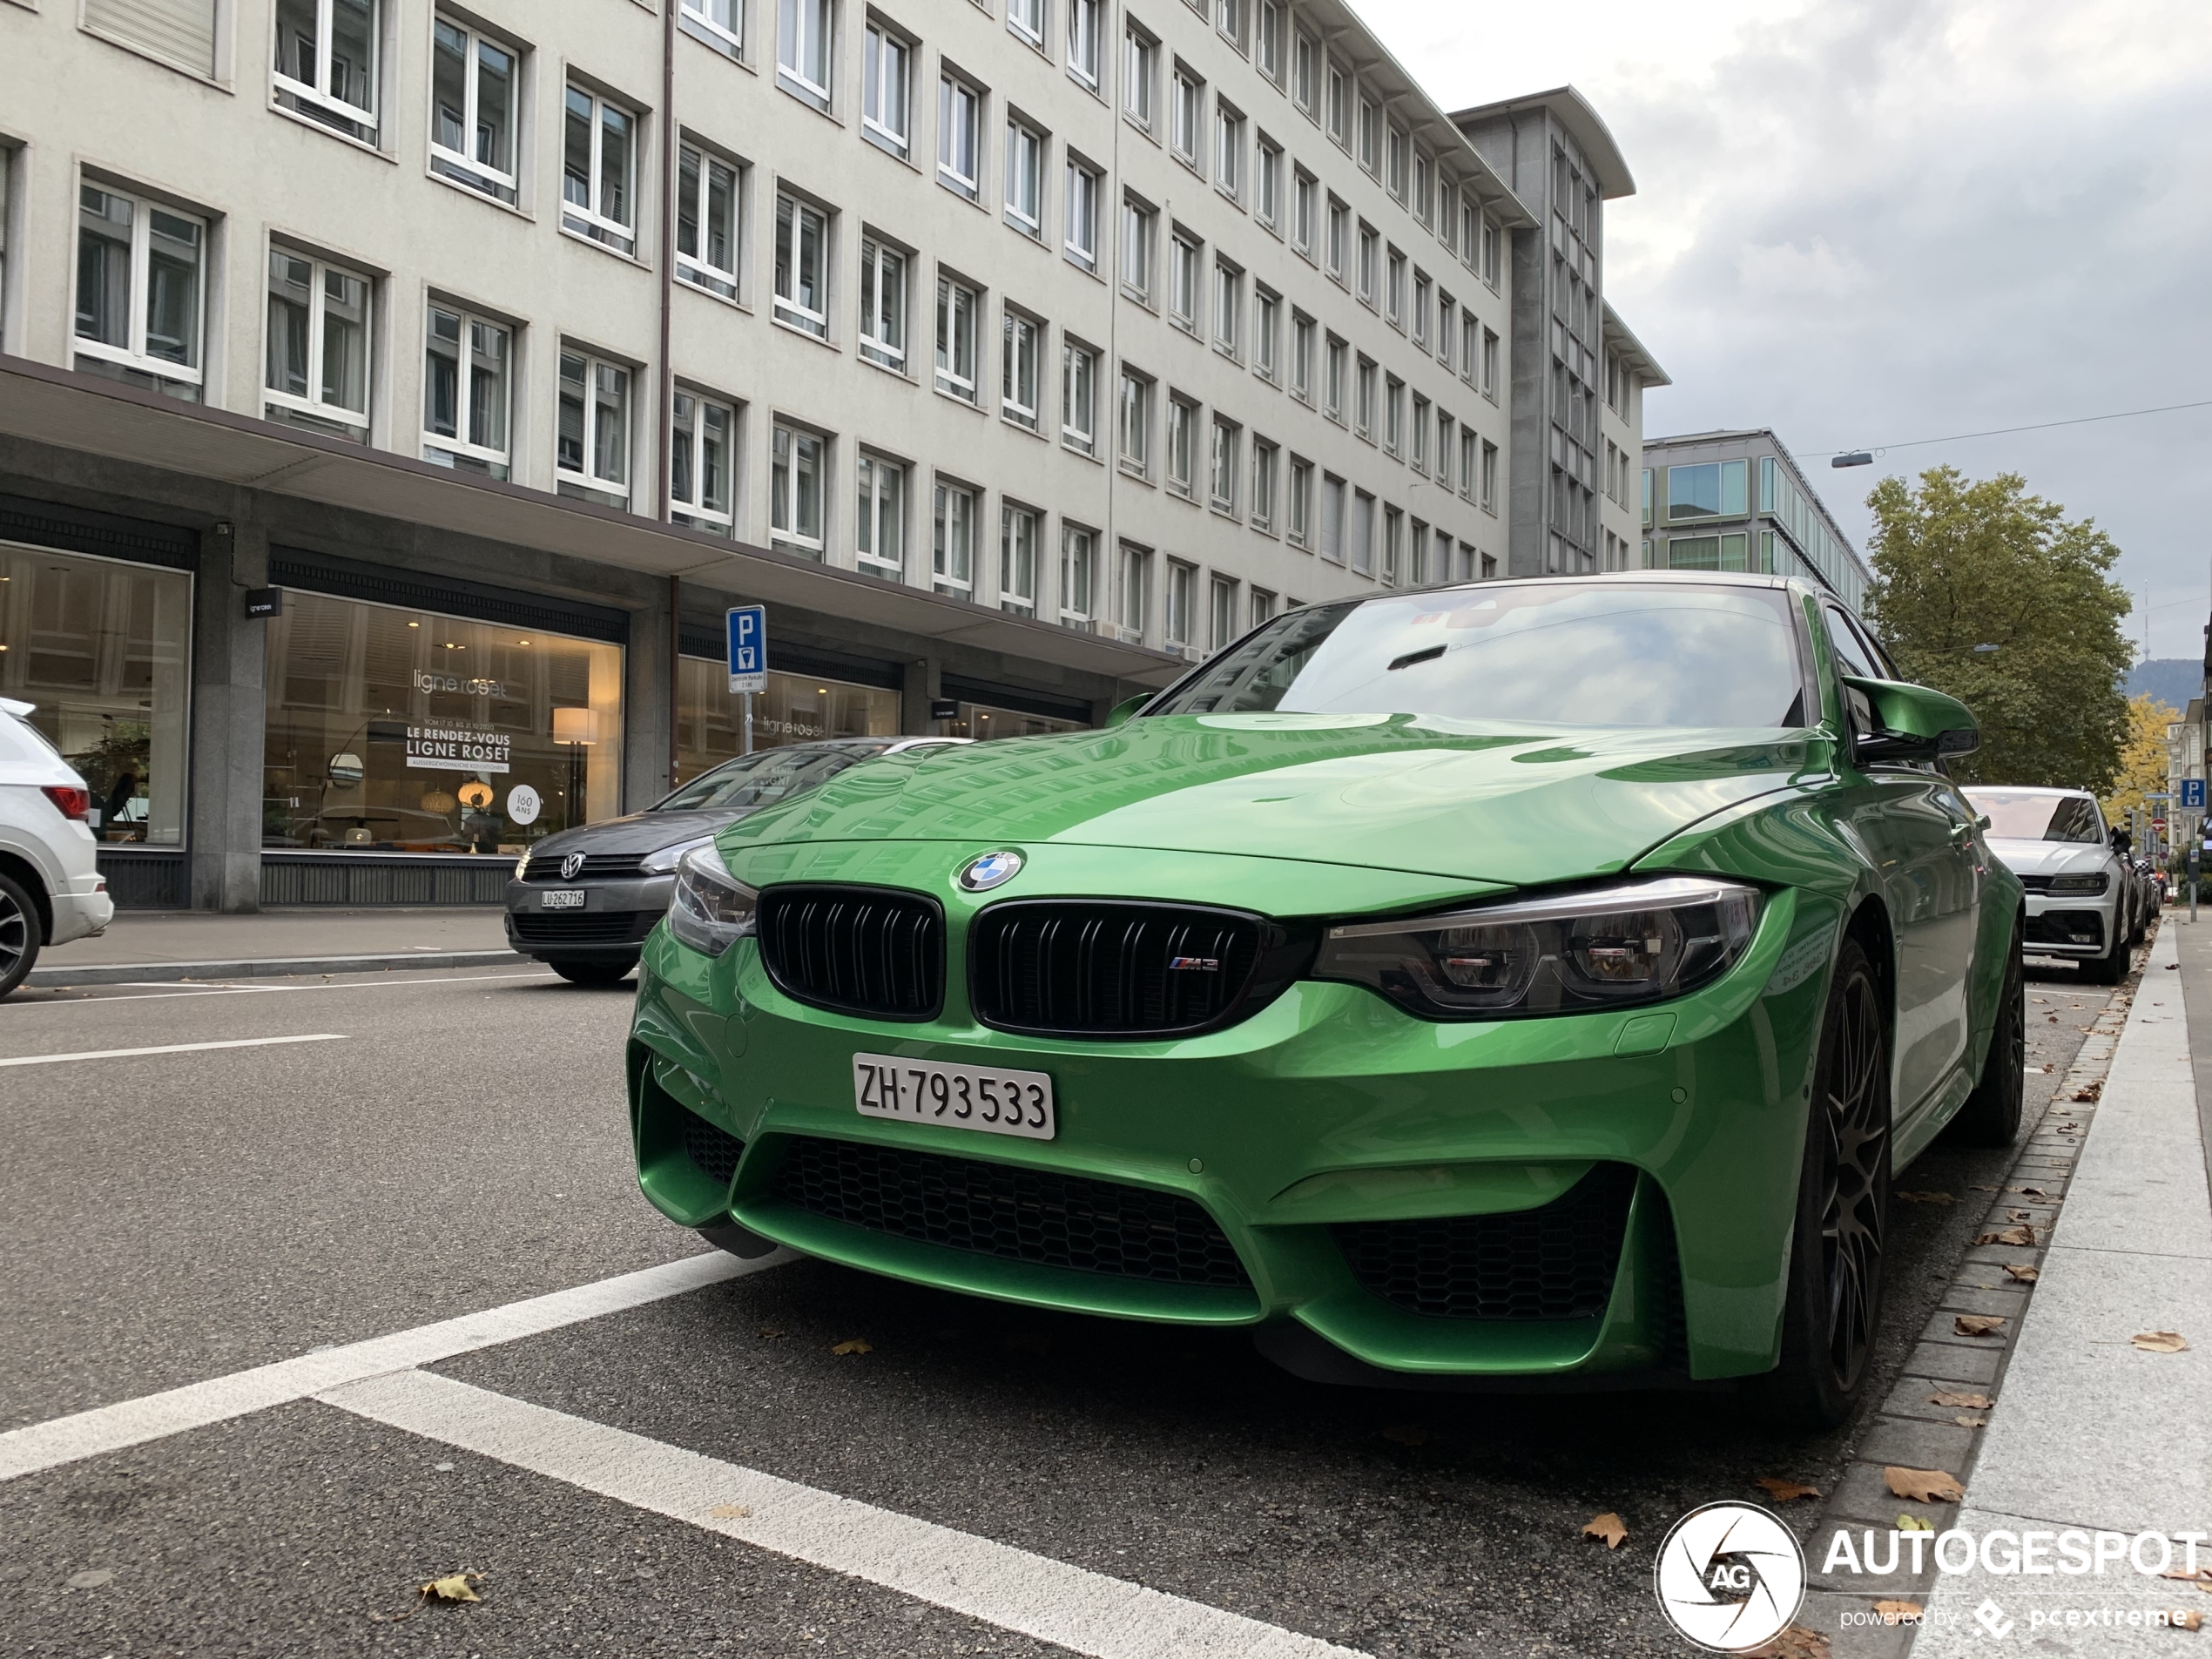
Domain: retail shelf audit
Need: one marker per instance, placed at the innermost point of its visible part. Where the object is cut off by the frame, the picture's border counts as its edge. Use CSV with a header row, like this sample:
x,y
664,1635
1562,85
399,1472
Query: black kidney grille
x,y
712,1149
1104,967
1554,1262
1003,1209
856,950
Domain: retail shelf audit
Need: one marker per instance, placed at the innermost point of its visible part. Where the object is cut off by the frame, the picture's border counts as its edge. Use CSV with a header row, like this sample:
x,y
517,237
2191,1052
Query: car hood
x,y
635,833
2048,858
1482,801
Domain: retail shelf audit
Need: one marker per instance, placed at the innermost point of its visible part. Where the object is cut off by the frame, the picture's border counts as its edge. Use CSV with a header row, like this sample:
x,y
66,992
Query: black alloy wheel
x,y
1835,1284
20,933
1991,1115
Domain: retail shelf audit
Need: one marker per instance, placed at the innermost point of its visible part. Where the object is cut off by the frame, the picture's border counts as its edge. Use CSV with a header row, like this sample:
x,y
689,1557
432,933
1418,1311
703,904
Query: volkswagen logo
x,y
990,870
571,863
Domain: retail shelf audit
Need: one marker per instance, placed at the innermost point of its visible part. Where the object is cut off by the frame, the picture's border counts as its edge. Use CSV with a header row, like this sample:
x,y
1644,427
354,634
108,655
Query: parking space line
x,y
1012,1588
152,1417
169,1047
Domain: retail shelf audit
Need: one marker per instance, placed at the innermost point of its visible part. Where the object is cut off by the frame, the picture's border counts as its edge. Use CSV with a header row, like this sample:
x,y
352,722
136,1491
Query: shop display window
x,y
796,708
101,649
403,730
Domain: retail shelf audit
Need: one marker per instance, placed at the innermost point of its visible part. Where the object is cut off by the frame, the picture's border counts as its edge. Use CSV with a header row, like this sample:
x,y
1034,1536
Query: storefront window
x,y
796,708
407,732
977,720
101,648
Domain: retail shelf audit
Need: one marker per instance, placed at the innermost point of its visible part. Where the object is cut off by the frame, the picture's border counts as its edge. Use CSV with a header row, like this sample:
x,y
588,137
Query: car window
x,y
2017,815
1852,655
21,741
761,779
1611,654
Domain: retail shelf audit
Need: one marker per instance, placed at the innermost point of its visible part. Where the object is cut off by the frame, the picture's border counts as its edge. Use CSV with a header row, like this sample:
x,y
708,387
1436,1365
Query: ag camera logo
x,y
990,870
1730,1577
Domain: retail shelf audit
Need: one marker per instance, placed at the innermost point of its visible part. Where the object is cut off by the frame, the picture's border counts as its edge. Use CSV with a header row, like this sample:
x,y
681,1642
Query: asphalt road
x,y
461,1144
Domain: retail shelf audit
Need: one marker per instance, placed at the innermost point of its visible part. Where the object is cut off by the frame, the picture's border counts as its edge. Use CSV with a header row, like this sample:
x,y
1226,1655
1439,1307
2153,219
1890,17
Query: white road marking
x,y
998,1583
169,1047
152,1417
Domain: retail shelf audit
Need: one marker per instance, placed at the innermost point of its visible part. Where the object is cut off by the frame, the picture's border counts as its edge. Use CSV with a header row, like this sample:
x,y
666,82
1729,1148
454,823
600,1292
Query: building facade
x,y
1015,355
1737,500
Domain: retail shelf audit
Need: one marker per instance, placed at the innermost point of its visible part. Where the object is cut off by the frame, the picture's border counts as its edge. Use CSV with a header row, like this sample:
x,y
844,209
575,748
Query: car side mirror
x,y
1913,723
1121,711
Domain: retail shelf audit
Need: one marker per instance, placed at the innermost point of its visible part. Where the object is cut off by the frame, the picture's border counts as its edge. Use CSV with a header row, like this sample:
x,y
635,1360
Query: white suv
x,y
51,890
2082,896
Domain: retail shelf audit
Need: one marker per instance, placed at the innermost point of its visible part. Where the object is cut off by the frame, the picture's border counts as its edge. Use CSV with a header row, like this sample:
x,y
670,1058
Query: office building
x,y
1737,500
393,397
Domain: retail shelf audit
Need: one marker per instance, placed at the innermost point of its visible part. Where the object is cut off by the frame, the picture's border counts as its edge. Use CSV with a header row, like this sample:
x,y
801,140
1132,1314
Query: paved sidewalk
x,y
167,945
2090,1432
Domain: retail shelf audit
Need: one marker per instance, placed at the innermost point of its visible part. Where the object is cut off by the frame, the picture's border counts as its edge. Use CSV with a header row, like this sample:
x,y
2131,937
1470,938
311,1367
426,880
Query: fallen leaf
x,y
1945,1397
854,1345
1913,1523
1607,1527
1795,1643
1923,1197
1898,1612
2024,1274
454,1586
2189,1619
1924,1486
2089,1090
1785,1491
774,1333
1406,1435
2161,1341
391,1618
2019,1215
1977,1187
2010,1235
1977,1325
2189,1574
729,1511
2029,1192
1974,1419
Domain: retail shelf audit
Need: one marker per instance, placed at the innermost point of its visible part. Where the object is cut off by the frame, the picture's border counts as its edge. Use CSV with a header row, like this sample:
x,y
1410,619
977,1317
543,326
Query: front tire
x,y
21,935
594,972
1992,1114
1834,1292
2111,967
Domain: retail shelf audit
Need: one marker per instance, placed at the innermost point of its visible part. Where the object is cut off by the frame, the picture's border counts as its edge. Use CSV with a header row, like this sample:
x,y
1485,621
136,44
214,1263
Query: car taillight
x,y
69,801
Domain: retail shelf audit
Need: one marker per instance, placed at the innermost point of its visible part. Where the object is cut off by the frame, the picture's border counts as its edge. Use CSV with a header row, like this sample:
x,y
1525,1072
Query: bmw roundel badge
x,y
988,870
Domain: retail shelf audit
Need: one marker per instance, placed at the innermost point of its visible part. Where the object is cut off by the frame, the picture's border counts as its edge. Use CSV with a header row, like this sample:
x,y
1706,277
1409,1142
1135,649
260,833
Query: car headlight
x,y
2076,887
1571,953
711,909
522,866
667,857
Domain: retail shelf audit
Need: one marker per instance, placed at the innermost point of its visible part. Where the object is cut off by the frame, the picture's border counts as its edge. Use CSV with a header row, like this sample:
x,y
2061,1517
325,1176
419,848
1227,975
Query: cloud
x,y
1878,221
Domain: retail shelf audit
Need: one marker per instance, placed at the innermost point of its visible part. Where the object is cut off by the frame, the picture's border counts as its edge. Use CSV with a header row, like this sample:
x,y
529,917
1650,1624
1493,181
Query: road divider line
x,y
152,1417
169,1047
1048,1600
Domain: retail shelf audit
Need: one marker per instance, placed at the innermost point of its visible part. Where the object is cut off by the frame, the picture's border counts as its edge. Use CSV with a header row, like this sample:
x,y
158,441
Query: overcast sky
x,y
1865,221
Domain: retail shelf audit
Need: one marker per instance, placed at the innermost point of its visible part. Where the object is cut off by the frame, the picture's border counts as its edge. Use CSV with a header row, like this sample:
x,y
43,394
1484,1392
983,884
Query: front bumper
x,y
2072,925
1347,1152
609,927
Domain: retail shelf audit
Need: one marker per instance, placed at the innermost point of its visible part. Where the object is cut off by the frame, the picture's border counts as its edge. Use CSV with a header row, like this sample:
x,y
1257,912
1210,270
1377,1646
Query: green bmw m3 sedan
x,y
1536,982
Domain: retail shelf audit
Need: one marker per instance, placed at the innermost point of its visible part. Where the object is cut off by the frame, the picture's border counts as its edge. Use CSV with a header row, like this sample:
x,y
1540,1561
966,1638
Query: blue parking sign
x,y
748,648
2192,794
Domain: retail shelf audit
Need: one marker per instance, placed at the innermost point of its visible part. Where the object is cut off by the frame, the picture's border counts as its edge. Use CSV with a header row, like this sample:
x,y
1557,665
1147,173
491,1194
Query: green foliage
x,y
1961,562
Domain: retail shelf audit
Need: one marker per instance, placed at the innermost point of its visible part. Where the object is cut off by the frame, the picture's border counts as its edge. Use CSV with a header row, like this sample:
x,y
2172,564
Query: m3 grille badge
x,y
1193,964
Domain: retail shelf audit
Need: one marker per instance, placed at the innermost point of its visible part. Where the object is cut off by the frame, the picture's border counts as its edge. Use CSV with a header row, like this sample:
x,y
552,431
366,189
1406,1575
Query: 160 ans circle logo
x,y
1730,1576
990,870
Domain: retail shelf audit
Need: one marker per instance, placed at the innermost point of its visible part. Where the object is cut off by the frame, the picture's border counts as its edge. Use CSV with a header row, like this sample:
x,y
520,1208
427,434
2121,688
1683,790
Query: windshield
x,y
2019,815
760,780
1615,654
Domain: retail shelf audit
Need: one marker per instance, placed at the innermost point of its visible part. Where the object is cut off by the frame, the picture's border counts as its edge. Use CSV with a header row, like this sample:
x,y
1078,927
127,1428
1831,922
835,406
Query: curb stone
x,y
1910,1430
262,968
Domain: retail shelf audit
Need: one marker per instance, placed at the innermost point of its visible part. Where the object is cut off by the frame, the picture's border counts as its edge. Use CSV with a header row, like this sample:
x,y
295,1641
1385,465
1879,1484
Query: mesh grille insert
x,y
868,951
712,1149
1003,1209
1554,1262
1114,968
583,927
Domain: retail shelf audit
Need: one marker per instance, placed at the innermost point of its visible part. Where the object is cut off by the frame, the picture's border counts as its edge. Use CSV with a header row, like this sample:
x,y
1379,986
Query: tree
x,y
1960,564
2142,758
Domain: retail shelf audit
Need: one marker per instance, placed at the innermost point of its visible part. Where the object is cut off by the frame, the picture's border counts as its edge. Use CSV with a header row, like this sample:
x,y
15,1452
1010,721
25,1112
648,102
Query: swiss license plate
x,y
560,899
995,1099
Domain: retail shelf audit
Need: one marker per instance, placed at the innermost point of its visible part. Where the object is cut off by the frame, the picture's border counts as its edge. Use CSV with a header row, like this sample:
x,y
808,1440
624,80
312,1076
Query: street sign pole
x,y
748,644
